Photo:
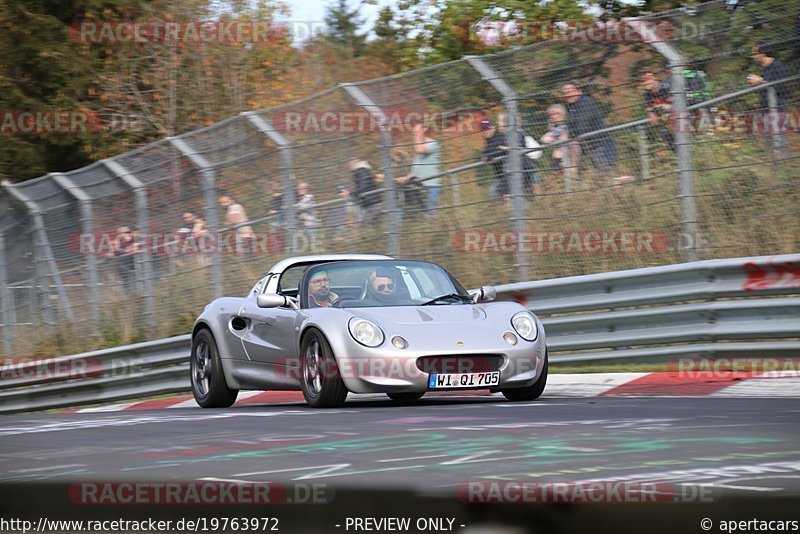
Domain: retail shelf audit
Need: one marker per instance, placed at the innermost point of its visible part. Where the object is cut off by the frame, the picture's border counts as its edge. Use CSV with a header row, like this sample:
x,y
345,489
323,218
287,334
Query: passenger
x,y
382,288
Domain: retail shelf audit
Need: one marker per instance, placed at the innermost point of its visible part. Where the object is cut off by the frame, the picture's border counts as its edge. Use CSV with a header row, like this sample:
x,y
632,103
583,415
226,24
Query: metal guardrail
x,y
742,306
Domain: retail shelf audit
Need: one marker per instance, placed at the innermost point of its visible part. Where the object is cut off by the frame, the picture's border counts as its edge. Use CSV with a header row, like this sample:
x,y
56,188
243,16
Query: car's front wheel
x,y
531,392
321,382
208,380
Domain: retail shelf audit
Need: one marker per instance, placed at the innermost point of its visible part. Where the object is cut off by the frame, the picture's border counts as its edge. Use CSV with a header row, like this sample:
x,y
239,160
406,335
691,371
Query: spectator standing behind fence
x,y
276,208
658,98
123,253
342,216
306,212
558,132
774,70
427,157
236,216
495,147
407,192
365,190
190,238
583,116
491,150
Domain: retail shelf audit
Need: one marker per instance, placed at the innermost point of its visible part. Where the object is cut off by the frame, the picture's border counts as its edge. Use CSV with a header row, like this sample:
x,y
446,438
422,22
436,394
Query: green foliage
x,y
342,27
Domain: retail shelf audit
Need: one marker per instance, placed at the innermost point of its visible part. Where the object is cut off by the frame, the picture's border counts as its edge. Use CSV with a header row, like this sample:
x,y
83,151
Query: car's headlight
x,y
365,332
525,325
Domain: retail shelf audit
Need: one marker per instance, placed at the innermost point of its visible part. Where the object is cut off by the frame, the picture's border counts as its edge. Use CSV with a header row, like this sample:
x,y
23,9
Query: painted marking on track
x,y
232,480
470,458
48,468
330,471
134,420
527,404
415,458
107,408
704,473
606,423
41,476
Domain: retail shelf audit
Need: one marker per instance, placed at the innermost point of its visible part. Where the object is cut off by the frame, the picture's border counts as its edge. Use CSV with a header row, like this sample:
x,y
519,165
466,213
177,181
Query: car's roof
x,y
323,258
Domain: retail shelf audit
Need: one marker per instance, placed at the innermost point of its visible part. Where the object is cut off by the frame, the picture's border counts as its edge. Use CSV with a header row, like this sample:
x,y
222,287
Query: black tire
x,y
406,397
531,392
208,380
319,375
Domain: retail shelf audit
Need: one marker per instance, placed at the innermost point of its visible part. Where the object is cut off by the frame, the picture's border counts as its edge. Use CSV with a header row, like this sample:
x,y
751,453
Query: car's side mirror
x,y
486,294
273,300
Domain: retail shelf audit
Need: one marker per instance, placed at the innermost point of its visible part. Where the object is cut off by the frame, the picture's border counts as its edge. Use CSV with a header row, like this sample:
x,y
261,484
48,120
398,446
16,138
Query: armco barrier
x,y
742,306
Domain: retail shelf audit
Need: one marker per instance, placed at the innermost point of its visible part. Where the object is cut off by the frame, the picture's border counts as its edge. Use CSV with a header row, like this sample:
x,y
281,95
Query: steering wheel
x,y
337,302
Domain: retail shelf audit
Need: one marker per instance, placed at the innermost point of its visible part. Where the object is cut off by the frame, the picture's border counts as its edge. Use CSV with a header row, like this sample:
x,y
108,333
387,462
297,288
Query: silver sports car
x,y
333,324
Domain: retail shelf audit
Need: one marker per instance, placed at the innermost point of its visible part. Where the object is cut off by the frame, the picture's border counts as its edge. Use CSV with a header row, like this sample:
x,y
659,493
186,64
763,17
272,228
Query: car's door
x,y
269,334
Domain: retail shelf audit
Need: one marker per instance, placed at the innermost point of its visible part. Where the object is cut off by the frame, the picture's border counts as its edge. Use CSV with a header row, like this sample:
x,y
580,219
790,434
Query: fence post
x,y
514,158
5,299
143,223
685,166
363,100
644,156
46,253
210,190
682,135
773,122
87,227
566,163
40,283
287,177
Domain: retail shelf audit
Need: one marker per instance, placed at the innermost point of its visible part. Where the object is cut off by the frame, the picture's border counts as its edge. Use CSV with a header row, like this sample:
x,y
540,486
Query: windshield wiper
x,y
450,297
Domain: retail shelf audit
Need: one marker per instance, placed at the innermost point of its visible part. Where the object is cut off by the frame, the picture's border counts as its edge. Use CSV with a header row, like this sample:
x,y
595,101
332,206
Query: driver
x,y
382,287
319,289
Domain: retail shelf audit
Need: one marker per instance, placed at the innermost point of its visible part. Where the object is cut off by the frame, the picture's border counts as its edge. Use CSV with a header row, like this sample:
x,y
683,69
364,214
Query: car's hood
x,y
422,314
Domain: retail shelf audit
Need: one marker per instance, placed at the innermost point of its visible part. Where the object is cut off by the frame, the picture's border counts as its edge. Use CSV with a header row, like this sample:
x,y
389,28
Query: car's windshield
x,y
361,284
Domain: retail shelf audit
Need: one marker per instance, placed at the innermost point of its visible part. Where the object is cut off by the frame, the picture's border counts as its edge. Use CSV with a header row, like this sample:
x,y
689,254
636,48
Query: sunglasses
x,y
389,286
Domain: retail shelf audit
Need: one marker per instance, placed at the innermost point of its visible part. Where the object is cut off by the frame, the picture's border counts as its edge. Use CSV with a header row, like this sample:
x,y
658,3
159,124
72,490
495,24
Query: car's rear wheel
x,y
208,380
322,385
405,397
531,392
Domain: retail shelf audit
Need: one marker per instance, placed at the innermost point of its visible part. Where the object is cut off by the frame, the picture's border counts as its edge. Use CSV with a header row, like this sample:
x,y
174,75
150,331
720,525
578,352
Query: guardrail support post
x,y
364,101
87,224
514,159
682,137
5,299
210,190
46,252
287,176
143,223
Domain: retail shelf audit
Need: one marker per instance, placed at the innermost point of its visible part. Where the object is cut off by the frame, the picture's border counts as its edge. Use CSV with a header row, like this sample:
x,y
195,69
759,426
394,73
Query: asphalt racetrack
x,y
378,457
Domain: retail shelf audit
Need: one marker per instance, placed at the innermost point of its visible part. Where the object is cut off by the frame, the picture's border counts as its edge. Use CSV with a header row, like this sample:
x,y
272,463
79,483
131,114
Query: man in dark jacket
x,y
364,189
659,106
494,140
497,146
774,70
583,116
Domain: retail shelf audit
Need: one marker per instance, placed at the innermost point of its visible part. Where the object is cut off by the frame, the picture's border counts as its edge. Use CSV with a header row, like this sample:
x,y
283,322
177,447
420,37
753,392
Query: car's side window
x,y
290,280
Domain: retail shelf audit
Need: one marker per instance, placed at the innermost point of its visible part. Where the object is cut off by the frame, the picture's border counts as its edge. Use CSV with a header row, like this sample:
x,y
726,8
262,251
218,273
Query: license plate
x,y
463,380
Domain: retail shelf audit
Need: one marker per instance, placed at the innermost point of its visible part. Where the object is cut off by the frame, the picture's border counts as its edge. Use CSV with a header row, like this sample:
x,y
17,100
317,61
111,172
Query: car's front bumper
x,y
387,369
